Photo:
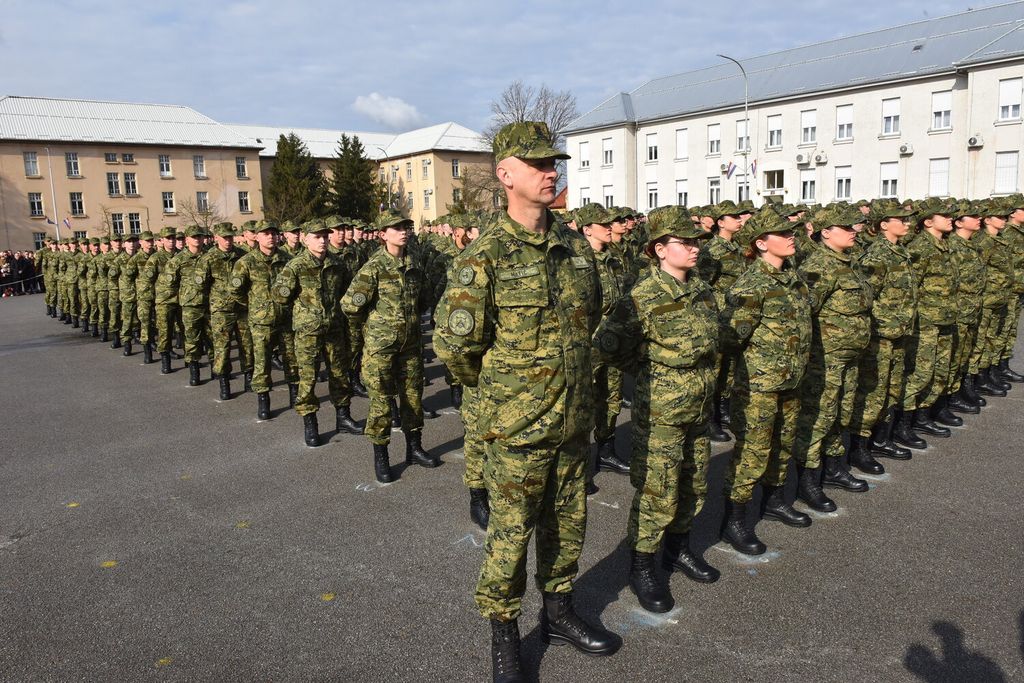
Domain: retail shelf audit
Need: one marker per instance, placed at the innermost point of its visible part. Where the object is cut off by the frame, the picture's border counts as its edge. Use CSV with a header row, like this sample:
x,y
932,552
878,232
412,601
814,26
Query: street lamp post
x,y
387,174
746,125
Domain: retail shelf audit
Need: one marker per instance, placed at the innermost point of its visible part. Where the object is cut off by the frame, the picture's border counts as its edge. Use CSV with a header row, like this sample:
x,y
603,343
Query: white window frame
x,y
110,157
844,182
243,202
714,147
408,171
167,201
425,164
771,174
456,170
808,186
1009,99
584,196
131,185
202,201
844,122
199,166
426,199
128,158
682,192
411,199
456,195
714,190
71,165
35,204
809,127
76,203
891,116
889,178
164,161
241,168
742,187
942,110
682,143
742,136
1007,172
607,152
113,184
774,131
652,196
584,154
938,177
652,147
31,161
608,191
117,223
38,240
135,223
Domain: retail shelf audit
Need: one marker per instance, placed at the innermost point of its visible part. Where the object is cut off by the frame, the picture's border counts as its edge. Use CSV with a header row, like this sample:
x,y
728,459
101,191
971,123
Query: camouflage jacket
x,y
666,333
128,276
612,271
114,264
145,277
840,302
998,269
215,268
936,280
805,246
966,258
888,270
80,272
1014,236
516,321
767,320
252,277
312,289
150,273
720,263
386,298
180,282
96,272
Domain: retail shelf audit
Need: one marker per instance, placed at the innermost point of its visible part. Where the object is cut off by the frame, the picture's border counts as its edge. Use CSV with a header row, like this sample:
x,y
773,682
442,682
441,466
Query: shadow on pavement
x,y
954,663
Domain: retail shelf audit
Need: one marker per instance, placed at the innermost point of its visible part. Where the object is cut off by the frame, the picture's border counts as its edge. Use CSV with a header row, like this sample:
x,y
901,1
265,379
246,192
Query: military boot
x,y
382,463
193,374
248,381
608,459
263,405
924,424
882,445
505,644
293,394
736,532
357,386
84,325
960,402
678,555
560,625
970,391
838,477
810,492
344,421
996,380
774,506
165,362
456,395
225,387
652,594
74,322
147,353
96,330
724,412
127,347
985,387
116,343
105,337
414,452
941,414
715,431
903,432
860,456
1008,372
396,416
479,508
310,430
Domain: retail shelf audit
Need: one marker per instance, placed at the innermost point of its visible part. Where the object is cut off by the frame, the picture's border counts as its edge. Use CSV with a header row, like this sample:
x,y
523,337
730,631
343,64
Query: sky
x,y
395,65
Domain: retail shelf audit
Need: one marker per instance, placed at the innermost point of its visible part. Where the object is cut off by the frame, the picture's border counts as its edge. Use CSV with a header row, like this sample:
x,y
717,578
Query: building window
x,y
808,182
652,147
35,203
394,173
31,163
134,223
1009,99
844,122
938,177
682,193
128,157
409,198
606,152
203,202
775,131
456,195
165,165
37,239
77,205
609,196
891,117
584,196
130,187
714,190
844,182
426,199
241,168
117,223
1006,172
243,202
71,162
714,139
408,171
198,166
889,173
682,143
80,235
652,195
742,188
425,163
110,157
168,200
808,127
774,180
742,139
113,184
584,155
942,105
455,169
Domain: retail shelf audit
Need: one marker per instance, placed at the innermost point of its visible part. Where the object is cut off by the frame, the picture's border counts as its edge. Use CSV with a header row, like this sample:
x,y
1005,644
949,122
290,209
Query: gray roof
x,y
45,119
923,48
322,143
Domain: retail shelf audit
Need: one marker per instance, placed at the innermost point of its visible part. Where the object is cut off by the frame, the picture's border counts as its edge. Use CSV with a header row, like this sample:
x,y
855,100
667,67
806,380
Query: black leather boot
x,y
127,347
165,362
147,353
479,508
652,594
736,532
357,386
774,506
275,362
414,452
310,430
396,416
382,463
344,421
116,343
560,625
84,325
505,664
105,337
1008,372
941,414
971,392
263,405
809,490
608,459
903,432
995,380
74,322
456,393
960,403
193,374
677,555
924,424
837,476
724,412
716,433
882,444
293,394
225,386
860,456
985,386
95,329
248,381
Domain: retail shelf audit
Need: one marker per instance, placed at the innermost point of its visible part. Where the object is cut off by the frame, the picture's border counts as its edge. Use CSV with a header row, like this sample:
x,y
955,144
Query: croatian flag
x,y
753,168
67,223
729,171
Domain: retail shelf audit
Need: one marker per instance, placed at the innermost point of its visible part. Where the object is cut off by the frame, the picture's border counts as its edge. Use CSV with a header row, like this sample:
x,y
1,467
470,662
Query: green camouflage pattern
x,y
526,140
890,273
764,424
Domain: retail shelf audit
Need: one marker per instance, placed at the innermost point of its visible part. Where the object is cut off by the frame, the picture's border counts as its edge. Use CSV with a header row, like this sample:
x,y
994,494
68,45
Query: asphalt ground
x,y
150,532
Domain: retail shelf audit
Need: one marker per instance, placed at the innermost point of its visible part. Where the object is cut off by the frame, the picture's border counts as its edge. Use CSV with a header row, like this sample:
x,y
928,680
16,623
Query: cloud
x,y
392,112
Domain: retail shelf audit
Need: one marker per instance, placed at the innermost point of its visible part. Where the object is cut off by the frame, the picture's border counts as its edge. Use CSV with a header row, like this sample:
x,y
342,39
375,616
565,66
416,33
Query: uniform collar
x,y
676,289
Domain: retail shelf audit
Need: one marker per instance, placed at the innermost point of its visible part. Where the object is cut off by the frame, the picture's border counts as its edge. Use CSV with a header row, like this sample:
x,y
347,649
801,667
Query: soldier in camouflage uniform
x,y
164,314
83,264
516,322
128,300
72,262
965,255
98,286
998,295
1013,234
665,331
145,293
115,259
45,261
215,267
181,286
766,323
841,323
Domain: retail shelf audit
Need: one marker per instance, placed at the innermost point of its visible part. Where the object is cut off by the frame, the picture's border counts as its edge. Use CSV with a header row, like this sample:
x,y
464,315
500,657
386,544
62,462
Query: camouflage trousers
x,y
50,291
146,311
473,447
532,489
74,299
764,423
166,321
960,361
826,396
101,308
129,318
880,383
264,339
988,348
193,320
334,346
669,472
244,338
286,350
222,325
114,310
928,355
607,401
94,311
83,303
1009,329
394,374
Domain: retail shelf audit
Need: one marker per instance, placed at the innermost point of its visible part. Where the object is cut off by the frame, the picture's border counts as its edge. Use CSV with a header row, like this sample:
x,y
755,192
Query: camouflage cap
x,y
146,235
390,219
618,214
264,226
837,216
746,206
196,231
314,226
128,238
725,208
591,213
457,220
994,208
168,233
116,237
180,235
104,240
763,222
248,225
289,226
526,140
926,208
224,230
1014,201
335,221
94,240
674,221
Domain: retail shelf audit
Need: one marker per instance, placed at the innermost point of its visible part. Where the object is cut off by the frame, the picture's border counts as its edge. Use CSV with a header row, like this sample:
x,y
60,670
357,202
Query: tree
x,y
354,191
192,215
296,190
479,186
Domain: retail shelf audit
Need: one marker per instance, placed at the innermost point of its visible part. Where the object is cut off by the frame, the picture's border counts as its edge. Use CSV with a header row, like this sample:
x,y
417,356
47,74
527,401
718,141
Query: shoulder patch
x,y
198,279
283,291
466,275
580,262
359,299
460,322
608,342
236,281
743,330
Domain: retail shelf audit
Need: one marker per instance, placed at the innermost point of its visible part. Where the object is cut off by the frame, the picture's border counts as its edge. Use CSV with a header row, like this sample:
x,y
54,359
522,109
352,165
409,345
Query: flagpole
x,y
746,125
53,195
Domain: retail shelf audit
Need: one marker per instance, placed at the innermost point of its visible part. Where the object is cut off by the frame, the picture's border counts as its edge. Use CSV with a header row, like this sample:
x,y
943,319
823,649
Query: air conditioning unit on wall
x,y
821,158
975,141
803,158
906,149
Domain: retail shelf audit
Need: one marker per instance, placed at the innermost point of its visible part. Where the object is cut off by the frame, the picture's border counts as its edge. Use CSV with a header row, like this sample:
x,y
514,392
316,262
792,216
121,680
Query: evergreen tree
x,y
355,192
296,190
